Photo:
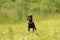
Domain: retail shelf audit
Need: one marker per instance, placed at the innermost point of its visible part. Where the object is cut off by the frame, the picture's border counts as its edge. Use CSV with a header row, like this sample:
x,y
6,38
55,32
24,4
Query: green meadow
x,y
14,23
48,29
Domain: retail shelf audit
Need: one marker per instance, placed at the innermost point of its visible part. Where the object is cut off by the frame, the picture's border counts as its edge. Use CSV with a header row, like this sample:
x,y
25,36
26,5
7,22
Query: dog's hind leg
x,y
33,29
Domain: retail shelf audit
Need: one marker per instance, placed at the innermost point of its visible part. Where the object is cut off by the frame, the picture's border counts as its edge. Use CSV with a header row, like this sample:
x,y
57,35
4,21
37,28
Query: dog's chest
x,y
31,24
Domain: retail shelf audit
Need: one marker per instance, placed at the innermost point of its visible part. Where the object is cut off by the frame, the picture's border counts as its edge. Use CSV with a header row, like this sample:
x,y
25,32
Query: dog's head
x,y
29,18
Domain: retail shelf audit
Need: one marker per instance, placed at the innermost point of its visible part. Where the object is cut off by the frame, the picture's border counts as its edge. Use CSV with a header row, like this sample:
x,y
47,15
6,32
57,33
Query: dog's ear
x,y
31,16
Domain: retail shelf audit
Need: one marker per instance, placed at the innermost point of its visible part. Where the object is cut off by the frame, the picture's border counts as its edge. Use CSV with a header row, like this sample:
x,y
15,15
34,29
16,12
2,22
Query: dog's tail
x,y
35,28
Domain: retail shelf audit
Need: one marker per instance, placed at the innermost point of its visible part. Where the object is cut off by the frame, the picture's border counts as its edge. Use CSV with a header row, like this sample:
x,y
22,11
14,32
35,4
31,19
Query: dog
x,y
31,23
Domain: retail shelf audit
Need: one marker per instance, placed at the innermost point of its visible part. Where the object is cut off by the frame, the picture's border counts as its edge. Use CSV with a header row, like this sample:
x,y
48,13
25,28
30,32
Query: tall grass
x,y
46,30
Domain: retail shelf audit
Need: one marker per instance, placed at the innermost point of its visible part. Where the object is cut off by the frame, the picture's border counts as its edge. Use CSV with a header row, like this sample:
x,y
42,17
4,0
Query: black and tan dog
x,y
31,23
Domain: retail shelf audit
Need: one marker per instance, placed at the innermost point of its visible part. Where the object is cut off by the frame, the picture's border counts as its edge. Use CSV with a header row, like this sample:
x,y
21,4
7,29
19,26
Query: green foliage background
x,y
13,11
